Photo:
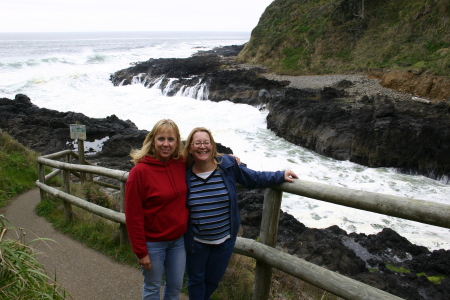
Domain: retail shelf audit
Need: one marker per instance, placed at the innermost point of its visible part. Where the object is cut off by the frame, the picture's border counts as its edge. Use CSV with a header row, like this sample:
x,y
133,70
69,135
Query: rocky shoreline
x,y
372,259
345,117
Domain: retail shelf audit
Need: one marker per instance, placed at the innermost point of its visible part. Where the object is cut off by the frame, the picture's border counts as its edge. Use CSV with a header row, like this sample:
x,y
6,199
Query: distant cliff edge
x,y
406,43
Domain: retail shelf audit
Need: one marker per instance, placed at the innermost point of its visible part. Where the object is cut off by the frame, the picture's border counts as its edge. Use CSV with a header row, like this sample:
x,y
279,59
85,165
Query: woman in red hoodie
x,y
156,212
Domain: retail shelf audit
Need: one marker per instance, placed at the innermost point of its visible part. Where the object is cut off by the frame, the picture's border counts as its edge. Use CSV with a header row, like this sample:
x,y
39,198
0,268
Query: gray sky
x,y
126,15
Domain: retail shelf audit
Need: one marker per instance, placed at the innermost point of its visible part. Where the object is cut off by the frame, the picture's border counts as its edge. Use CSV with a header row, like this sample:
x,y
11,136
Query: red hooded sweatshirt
x,y
155,202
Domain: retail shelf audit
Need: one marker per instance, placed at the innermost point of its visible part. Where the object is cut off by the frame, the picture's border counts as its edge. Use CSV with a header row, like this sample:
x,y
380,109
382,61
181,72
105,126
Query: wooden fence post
x,y
81,159
78,132
41,174
123,228
66,188
268,235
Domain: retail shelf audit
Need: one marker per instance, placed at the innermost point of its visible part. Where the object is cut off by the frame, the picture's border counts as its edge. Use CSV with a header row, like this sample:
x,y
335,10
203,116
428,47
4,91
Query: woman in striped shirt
x,y
214,217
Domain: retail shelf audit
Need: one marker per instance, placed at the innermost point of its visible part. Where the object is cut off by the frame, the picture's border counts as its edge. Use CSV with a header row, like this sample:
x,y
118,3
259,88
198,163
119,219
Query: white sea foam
x,y
71,73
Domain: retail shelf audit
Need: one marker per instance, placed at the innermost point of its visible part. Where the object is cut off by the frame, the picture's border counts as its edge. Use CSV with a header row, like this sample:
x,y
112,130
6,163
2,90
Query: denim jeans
x,y
168,258
205,267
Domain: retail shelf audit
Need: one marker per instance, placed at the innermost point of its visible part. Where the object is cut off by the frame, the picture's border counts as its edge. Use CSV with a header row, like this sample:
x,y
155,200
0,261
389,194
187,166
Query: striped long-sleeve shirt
x,y
209,206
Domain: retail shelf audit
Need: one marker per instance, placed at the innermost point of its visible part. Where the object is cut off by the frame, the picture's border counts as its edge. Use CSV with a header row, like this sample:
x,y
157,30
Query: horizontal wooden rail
x,y
58,154
422,211
333,282
116,174
52,174
91,207
108,185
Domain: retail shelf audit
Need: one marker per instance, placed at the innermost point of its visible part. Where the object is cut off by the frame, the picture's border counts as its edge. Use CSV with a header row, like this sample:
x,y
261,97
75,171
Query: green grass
x,y
18,168
21,275
330,36
396,269
437,279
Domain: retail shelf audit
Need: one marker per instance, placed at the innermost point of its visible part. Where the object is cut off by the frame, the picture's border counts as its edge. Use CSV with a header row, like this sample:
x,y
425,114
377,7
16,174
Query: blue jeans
x,y
205,268
168,258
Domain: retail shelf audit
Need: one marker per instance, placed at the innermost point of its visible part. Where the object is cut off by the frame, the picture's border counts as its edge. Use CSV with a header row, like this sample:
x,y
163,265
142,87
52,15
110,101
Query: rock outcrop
x,y
374,130
48,131
367,127
416,82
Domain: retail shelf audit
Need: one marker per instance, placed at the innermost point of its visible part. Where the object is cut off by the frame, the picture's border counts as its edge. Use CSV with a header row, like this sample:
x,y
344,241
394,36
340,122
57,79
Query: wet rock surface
x,y
375,130
346,117
48,131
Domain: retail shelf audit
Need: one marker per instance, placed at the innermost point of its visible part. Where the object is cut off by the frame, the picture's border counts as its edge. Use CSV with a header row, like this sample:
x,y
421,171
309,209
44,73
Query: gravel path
x,y
362,85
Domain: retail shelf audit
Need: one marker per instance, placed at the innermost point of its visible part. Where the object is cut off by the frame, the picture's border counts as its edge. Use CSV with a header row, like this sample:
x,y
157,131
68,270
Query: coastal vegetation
x,y
18,168
436,279
21,275
346,36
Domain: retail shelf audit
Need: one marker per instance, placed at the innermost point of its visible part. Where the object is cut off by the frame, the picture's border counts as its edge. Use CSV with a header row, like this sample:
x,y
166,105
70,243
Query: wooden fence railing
x,y
264,252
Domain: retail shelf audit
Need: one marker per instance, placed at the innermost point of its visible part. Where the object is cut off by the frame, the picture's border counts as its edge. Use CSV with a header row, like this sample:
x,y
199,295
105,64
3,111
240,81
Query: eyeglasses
x,y
198,144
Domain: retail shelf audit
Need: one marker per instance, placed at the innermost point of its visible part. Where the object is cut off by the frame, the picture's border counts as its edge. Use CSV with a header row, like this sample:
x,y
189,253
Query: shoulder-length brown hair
x,y
148,146
188,157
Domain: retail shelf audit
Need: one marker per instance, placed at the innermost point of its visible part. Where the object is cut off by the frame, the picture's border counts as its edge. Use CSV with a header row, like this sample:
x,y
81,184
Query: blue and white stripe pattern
x,y
209,207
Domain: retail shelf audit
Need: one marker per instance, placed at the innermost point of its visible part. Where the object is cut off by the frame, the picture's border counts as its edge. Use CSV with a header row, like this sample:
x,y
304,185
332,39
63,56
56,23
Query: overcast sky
x,y
126,15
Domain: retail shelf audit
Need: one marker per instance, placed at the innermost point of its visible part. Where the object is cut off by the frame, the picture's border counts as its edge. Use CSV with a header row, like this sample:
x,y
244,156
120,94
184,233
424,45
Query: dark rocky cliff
x,y
376,128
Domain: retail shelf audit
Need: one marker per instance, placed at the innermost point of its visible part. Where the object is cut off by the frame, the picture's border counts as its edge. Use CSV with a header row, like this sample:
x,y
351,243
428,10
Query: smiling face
x,y
165,144
201,152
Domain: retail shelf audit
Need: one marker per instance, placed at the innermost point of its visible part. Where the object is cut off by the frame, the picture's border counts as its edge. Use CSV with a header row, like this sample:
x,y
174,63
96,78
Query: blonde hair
x,y
148,146
188,157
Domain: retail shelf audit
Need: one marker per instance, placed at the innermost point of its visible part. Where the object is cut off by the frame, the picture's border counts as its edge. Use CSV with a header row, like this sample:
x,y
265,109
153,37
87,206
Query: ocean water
x,y
70,72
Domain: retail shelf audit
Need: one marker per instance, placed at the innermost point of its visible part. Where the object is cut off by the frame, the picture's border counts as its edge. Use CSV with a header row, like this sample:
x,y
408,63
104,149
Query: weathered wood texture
x,y
427,212
268,235
52,174
66,189
91,207
81,159
116,174
332,282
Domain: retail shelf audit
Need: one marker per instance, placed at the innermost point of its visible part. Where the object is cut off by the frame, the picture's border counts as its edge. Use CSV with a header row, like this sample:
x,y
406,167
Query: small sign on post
x,y
77,132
